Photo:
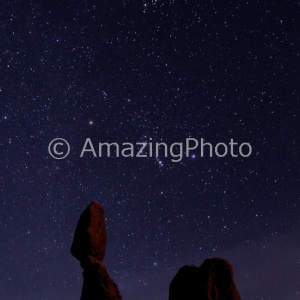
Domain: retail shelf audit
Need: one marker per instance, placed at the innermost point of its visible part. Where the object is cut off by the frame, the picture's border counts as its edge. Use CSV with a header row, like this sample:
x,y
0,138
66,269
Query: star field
x,y
134,71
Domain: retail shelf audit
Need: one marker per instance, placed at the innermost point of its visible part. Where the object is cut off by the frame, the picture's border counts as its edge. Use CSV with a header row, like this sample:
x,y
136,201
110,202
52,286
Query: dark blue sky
x,y
128,71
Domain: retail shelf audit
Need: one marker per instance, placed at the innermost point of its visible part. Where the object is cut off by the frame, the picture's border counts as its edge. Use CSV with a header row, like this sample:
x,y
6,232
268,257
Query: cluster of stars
x,y
130,72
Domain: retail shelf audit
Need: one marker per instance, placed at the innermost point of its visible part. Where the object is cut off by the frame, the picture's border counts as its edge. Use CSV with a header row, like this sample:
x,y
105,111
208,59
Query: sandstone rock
x,y
213,280
90,236
185,284
217,274
89,248
97,284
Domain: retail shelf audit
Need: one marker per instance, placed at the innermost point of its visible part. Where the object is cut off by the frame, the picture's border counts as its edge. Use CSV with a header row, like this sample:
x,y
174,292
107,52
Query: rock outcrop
x,y
89,248
185,284
213,280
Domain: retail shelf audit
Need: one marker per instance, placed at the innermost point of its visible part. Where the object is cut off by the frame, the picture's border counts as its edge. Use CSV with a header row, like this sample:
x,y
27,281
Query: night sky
x,y
131,71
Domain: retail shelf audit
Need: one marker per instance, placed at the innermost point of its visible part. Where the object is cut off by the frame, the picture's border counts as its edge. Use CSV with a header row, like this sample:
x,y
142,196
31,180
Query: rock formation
x,y
185,284
213,280
89,248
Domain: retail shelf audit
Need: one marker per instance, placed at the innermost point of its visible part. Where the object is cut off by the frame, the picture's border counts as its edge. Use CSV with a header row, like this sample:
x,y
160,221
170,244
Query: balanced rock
x,y
89,248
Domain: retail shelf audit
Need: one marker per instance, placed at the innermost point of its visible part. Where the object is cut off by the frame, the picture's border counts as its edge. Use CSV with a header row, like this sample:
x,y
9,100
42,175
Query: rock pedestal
x,y
89,248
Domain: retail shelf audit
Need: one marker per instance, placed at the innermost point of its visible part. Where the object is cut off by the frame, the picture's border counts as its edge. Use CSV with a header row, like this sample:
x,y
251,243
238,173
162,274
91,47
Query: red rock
x,y
213,280
98,285
89,248
90,236
217,274
185,284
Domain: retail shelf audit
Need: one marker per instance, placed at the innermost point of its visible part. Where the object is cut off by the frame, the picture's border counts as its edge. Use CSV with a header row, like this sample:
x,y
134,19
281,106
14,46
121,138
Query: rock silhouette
x,y
88,247
185,284
213,280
